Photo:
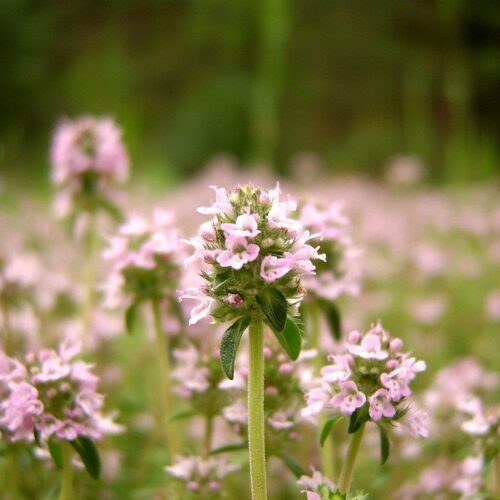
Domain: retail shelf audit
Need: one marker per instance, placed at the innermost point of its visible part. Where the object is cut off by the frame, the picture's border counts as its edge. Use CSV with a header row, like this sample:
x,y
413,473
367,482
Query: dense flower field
x,y
314,337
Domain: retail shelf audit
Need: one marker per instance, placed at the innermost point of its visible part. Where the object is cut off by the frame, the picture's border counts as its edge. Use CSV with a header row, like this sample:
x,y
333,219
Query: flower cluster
x,y
201,476
89,160
339,274
53,395
318,487
145,260
371,378
198,378
251,243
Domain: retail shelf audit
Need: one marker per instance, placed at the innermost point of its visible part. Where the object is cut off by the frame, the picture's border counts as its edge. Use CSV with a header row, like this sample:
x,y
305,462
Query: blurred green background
x,y
356,81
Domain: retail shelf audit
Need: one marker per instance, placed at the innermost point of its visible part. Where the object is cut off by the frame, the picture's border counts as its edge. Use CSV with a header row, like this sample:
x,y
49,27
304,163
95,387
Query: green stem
x,y
166,398
207,439
329,455
256,433
11,473
497,475
67,474
352,452
7,339
91,259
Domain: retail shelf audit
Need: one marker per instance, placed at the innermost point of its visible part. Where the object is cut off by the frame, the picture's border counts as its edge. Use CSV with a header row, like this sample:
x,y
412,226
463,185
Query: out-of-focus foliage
x,y
355,81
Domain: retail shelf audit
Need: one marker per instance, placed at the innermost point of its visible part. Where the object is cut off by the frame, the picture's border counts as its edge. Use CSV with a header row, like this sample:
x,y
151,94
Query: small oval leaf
x,y
292,465
274,306
333,318
55,451
358,418
131,317
385,445
229,448
229,345
290,338
87,450
327,427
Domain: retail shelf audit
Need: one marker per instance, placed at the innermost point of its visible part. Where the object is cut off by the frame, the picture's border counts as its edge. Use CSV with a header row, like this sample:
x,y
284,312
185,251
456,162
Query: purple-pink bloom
x,y
238,253
349,398
244,227
339,371
272,268
380,405
370,348
397,386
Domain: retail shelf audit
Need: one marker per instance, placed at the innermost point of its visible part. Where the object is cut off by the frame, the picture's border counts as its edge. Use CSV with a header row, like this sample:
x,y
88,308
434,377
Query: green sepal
x,y
327,427
332,315
87,450
289,338
55,450
274,306
230,343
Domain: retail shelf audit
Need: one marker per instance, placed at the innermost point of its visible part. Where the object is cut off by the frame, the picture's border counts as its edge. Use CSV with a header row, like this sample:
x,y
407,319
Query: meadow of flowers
x,y
243,336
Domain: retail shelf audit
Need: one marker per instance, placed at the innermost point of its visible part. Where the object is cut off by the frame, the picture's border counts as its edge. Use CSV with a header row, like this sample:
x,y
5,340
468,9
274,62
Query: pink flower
x,y
273,268
203,309
221,204
245,227
349,398
238,253
397,387
380,405
415,422
370,348
339,371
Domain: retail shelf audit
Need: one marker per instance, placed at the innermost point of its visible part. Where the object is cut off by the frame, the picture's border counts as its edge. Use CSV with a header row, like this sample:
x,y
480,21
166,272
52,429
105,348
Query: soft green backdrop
x,y
356,81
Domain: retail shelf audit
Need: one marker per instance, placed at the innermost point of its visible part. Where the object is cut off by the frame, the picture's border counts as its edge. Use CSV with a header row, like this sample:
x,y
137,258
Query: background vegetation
x,y
355,81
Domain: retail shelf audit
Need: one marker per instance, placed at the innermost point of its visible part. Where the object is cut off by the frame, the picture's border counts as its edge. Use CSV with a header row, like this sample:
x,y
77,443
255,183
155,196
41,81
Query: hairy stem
x,y
67,474
166,397
256,433
352,453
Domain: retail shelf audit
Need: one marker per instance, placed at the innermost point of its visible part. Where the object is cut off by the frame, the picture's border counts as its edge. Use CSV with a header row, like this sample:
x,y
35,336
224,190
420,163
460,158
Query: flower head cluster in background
x,y
52,395
89,161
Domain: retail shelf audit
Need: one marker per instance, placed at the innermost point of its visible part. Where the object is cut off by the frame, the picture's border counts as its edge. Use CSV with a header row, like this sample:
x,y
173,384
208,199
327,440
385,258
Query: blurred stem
x,y
256,432
207,439
329,455
67,474
7,330
11,474
166,398
91,259
352,453
497,474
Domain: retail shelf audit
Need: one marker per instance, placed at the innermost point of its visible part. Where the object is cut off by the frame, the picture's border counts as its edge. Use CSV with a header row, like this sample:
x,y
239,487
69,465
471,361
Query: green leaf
x,y
38,438
358,418
292,465
332,315
229,448
131,317
230,343
274,306
327,427
55,450
385,445
290,338
85,447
